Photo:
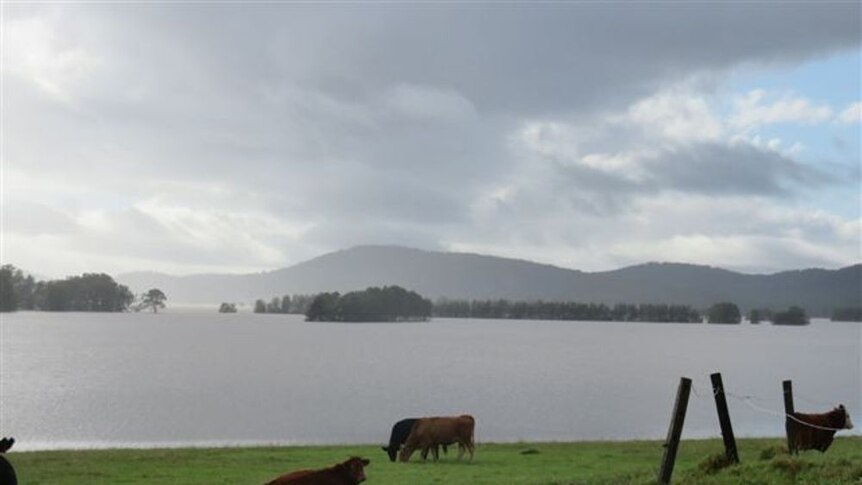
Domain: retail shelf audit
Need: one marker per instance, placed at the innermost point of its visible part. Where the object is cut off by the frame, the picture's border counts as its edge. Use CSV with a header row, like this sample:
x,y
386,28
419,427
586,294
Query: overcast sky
x,y
223,137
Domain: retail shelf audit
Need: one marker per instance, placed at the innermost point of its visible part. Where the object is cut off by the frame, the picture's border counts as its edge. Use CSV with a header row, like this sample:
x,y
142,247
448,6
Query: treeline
x,y
386,304
90,292
722,312
792,316
285,304
851,314
547,310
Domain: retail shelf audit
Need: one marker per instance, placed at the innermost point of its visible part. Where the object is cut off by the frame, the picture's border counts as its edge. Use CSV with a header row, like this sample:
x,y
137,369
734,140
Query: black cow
x,y
7,473
400,432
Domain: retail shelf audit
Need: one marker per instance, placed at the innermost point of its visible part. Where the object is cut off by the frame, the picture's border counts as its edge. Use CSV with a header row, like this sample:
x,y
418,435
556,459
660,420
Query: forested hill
x,y
468,276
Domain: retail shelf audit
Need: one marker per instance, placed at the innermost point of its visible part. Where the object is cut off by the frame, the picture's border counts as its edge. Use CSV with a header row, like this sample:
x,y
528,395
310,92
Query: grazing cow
x,y
815,437
430,432
351,472
400,432
7,473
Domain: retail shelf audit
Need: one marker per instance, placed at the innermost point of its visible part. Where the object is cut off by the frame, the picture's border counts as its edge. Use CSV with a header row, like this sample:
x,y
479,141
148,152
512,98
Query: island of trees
x,y
724,312
386,304
285,304
850,314
90,292
226,307
551,310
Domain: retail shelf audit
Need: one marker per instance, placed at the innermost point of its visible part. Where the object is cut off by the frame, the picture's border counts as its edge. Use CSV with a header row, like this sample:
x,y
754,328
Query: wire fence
x,y
749,400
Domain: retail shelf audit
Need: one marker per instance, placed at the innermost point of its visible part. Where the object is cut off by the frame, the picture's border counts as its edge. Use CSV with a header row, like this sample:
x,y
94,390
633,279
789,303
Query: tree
x,y
274,306
285,304
754,316
724,312
324,308
8,297
849,314
387,304
259,306
227,308
154,299
792,316
90,292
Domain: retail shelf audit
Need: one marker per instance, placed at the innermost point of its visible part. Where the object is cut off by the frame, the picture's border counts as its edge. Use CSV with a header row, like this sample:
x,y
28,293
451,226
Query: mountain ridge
x,y
436,274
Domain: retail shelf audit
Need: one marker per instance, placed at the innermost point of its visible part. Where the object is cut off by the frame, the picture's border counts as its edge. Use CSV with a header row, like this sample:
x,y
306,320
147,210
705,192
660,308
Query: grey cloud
x,y
386,122
720,169
35,219
527,58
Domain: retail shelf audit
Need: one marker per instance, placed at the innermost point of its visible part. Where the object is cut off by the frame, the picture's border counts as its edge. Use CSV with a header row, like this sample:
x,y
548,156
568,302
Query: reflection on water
x,y
179,378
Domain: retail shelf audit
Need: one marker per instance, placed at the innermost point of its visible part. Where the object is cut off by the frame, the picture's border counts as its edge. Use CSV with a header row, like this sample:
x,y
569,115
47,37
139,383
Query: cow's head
x,y
356,467
404,454
391,451
5,444
847,423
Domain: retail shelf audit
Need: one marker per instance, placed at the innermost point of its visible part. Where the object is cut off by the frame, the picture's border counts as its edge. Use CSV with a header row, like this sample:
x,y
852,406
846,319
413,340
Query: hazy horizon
x,y
39,275
229,138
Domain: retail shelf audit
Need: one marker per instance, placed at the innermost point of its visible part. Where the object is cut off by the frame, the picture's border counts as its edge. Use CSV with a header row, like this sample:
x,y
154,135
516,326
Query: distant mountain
x,y
460,275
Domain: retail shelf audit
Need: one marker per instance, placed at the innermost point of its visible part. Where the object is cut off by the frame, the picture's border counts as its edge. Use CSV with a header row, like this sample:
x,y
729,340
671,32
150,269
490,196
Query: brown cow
x,y
351,472
430,432
820,434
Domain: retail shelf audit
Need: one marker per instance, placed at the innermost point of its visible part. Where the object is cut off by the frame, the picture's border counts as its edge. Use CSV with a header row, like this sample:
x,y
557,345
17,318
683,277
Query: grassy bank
x,y
763,462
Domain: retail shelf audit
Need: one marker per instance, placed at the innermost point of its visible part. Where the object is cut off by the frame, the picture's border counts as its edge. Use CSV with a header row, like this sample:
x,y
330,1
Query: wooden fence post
x,y
724,419
788,410
675,431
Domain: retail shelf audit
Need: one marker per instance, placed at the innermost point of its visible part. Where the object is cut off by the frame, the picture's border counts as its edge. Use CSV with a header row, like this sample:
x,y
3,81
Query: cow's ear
x,y
385,448
366,461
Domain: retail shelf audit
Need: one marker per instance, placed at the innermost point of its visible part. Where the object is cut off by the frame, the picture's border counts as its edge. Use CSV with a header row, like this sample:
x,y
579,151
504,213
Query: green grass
x,y
605,463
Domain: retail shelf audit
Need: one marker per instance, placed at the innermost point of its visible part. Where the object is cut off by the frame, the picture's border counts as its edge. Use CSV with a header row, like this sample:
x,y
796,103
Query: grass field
x,y
634,462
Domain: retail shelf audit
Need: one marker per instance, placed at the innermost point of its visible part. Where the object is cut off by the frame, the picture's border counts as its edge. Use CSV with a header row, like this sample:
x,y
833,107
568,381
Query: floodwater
x,y
179,378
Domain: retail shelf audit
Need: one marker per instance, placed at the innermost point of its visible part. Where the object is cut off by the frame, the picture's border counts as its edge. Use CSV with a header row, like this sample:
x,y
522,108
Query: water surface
x,y
198,378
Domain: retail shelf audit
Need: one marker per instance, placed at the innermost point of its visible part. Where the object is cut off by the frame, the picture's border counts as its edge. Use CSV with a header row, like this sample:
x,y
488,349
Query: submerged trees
x,y
386,304
724,312
154,299
227,308
792,316
90,292
572,311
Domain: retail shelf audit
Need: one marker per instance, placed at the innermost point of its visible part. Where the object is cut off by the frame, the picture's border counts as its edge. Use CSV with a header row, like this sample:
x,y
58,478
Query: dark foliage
x,y
850,314
724,312
386,304
285,304
792,316
227,308
758,315
89,292
153,299
542,310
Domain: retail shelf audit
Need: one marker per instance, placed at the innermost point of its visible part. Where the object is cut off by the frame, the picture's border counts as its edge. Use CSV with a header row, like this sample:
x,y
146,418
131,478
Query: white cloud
x,y
678,116
35,52
852,113
212,147
755,109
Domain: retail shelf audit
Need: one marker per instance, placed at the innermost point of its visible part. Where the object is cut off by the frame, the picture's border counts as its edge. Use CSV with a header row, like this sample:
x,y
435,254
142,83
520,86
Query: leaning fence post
x,y
724,419
788,411
675,431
